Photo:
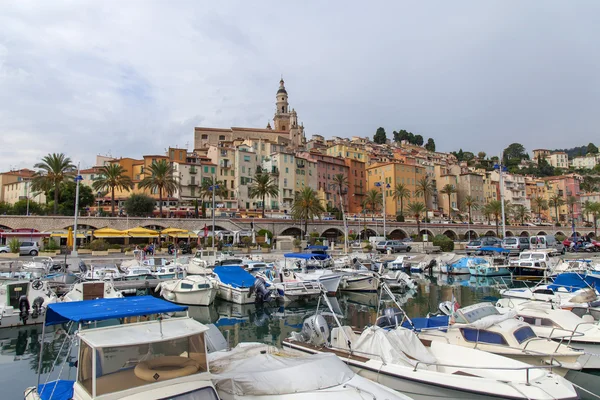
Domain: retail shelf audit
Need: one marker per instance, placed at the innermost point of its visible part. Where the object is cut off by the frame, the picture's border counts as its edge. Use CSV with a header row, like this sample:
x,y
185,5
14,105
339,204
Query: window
x,y
246,158
212,170
221,137
483,336
206,170
523,334
204,137
287,170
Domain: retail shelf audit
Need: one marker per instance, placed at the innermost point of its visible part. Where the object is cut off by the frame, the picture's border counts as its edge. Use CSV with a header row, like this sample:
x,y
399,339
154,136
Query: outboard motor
x,y
446,307
82,267
391,318
36,308
24,309
314,331
262,293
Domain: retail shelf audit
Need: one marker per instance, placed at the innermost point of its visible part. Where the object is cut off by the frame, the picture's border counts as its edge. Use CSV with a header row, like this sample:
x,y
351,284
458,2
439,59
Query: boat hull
x,y
489,271
454,270
359,283
235,295
591,359
192,298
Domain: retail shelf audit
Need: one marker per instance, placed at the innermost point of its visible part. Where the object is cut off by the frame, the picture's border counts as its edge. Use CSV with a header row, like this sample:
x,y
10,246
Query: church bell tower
x,y
282,115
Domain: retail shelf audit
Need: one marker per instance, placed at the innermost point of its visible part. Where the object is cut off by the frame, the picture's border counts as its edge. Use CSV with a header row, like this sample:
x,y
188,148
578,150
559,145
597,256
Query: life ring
x,y
147,372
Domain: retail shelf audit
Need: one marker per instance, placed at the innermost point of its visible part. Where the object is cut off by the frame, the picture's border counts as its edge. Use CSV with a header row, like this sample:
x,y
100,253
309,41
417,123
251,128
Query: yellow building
x,y
393,173
344,150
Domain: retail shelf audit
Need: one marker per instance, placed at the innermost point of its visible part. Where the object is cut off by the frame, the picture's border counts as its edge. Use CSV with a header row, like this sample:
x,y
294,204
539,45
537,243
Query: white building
x,y
588,162
558,159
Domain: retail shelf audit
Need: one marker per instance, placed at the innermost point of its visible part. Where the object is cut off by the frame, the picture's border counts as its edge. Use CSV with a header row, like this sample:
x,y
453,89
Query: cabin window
x,y
203,286
539,321
523,334
483,336
187,285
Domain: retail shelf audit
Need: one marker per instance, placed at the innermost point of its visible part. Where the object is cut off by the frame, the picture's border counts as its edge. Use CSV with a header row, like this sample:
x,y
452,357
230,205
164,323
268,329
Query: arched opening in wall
x,y
524,234
591,235
398,234
576,234
451,234
332,234
5,228
541,233
154,227
509,234
293,231
559,233
82,227
471,235
365,234
490,233
428,233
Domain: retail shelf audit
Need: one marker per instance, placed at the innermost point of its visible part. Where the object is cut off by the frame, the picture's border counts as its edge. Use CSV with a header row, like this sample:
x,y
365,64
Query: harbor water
x,y
20,347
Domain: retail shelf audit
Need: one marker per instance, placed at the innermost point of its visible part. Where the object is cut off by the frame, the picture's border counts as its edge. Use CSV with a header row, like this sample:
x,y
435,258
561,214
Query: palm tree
x,y
374,198
54,169
487,212
588,185
594,209
519,212
449,190
341,182
470,203
112,177
401,192
206,188
416,209
495,209
307,206
263,186
161,178
556,201
541,204
425,187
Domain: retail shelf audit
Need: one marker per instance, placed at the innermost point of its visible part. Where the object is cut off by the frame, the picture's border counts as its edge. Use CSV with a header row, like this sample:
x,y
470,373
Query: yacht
x,y
533,264
462,266
235,284
195,290
24,302
481,326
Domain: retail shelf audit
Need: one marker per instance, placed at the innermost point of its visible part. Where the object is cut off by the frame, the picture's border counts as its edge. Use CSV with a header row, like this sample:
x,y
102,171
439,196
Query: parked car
x,y
395,246
26,249
516,243
475,245
546,242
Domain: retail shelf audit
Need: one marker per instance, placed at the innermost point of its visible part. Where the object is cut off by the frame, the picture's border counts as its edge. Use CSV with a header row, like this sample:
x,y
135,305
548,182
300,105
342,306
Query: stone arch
x,y
559,233
366,233
541,233
509,234
490,233
398,234
5,228
471,234
591,235
524,234
154,227
293,231
451,234
429,234
576,234
83,227
332,233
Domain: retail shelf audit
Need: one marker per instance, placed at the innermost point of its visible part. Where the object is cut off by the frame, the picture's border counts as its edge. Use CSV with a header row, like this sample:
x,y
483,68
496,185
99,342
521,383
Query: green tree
x,y
307,206
139,205
53,170
161,178
592,149
20,208
519,213
418,140
556,201
205,191
380,136
430,145
449,190
112,177
5,208
481,155
540,204
425,187
470,203
263,186
588,185
416,209
594,209
66,199
401,192
340,181
495,209
374,199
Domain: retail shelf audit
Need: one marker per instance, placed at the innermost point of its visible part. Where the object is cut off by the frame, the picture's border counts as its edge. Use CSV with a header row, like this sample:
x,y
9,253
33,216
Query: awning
x,y
64,234
109,233
172,231
103,309
141,232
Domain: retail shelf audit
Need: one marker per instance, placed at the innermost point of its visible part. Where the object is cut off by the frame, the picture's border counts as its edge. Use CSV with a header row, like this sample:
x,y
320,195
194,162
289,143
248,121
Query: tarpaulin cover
x,y
496,249
467,262
237,277
57,390
307,256
103,309
438,321
317,247
572,281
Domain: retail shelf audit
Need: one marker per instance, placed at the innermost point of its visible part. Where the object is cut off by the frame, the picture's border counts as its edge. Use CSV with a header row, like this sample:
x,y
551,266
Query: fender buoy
x,y
154,370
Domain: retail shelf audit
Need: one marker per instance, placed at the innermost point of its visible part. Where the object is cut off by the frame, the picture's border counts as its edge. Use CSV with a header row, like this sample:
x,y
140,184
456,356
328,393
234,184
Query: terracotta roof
x,y
199,128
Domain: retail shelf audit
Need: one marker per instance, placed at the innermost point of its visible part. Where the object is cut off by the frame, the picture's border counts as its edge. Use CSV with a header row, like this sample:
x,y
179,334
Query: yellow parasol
x,y
141,232
70,237
109,233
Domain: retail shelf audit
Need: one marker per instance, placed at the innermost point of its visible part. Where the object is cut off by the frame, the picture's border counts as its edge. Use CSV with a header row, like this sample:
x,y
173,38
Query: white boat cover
x,y
396,346
490,320
270,374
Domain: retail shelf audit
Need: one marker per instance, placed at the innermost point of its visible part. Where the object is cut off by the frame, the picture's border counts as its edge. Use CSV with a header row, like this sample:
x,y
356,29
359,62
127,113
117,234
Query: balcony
x,y
274,171
193,171
225,164
192,183
300,164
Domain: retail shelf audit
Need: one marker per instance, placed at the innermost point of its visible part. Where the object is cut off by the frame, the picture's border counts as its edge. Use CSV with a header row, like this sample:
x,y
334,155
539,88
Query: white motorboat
x,y
167,272
96,273
533,264
194,290
24,302
398,280
90,290
324,277
562,326
461,266
235,284
424,370
258,371
494,266
358,280
481,326
289,290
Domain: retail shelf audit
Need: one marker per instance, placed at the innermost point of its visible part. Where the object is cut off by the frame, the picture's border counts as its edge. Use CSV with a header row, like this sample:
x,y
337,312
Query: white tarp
x,y
396,346
489,320
270,374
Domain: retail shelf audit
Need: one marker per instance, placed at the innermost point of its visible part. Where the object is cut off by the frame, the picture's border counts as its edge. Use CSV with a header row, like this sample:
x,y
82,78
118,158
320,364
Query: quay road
x,y
288,227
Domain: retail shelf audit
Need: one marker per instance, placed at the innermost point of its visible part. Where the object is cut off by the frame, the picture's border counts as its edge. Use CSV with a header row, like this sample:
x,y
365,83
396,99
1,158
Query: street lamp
x,y
383,187
341,194
27,196
213,188
78,178
98,196
501,168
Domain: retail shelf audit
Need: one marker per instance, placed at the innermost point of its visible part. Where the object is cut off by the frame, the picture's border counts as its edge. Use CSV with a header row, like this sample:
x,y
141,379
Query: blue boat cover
x,y
317,247
463,262
103,309
438,321
59,390
572,281
237,277
496,249
307,256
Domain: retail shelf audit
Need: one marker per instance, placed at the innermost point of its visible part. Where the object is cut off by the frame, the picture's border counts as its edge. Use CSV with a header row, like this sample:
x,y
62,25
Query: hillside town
x,y
359,175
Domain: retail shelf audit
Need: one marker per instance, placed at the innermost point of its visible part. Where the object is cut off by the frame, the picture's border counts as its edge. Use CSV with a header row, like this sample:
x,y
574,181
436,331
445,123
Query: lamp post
x,y
27,196
383,185
78,178
212,188
98,211
343,217
501,168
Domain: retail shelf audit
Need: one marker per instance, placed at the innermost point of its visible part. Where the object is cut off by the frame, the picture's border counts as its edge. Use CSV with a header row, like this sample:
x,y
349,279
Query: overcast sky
x,y
128,78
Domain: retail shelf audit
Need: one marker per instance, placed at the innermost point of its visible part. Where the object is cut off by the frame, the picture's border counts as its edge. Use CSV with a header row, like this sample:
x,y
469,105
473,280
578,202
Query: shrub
x,y
557,224
247,241
264,232
51,246
297,242
369,247
445,243
265,245
114,246
560,238
165,244
14,245
127,249
98,245
319,243
400,218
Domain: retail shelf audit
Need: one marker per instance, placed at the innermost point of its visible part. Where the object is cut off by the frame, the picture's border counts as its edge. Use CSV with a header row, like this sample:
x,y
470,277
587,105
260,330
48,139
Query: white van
x,y
546,242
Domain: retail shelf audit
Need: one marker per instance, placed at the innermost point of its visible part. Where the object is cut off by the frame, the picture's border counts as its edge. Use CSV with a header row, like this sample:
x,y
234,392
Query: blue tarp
x,y
496,249
103,309
307,256
463,262
237,277
317,247
440,321
63,390
572,281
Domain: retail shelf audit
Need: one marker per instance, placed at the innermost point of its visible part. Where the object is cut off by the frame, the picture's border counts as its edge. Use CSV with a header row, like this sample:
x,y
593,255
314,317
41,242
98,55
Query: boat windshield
x,y
477,313
523,334
121,368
